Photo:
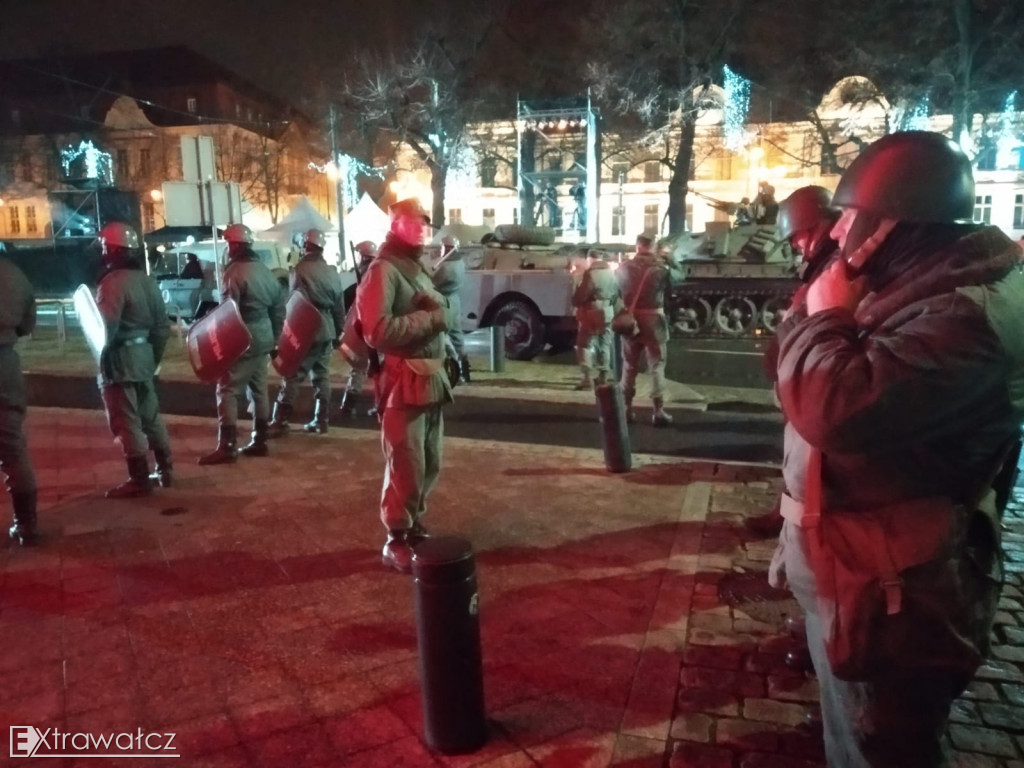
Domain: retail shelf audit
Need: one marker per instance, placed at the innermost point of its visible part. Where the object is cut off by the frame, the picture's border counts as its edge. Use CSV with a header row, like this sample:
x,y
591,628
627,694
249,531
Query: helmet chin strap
x,y
866,250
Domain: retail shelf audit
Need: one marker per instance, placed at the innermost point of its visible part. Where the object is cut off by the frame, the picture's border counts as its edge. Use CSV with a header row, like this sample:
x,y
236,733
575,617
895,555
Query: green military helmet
x,y
314,237
910,176
806,208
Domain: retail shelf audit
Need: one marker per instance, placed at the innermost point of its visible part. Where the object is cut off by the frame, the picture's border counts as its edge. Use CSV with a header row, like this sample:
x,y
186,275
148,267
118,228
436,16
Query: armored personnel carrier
x,y
735,282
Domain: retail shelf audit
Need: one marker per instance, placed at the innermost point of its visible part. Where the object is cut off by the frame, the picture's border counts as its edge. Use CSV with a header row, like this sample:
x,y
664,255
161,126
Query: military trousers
x,y
652,341
316,365
594,352
14,459
133,414
411,439
250,372
897,721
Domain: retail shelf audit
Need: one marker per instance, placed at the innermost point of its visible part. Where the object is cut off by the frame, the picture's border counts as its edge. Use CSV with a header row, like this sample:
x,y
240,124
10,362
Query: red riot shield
x,y
302,323
217,341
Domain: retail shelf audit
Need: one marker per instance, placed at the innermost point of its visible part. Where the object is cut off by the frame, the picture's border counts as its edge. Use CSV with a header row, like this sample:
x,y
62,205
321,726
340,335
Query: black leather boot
x,y
227,447
464,369
23,532
138,482
318,426
258,445
397,552
164,467
279,421
350,404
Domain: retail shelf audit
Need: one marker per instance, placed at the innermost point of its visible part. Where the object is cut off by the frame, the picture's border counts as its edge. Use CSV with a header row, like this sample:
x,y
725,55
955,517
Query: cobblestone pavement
x,y
246,611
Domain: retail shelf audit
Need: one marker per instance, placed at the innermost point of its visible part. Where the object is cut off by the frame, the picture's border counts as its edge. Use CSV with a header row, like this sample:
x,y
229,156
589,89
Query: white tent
x,y
303,216
366,221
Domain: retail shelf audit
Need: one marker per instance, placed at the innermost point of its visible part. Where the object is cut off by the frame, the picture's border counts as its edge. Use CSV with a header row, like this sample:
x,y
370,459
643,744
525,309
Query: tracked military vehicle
x,y
736,281
521,279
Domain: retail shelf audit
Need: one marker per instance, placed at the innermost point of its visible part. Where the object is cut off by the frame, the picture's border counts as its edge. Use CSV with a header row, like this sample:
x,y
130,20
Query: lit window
x,y
143,162
489,217
148,217
123,167
619,220
652,171
454,215
1018,212
191,104
983,209
15,221
30,218
488,172
651,223
620,172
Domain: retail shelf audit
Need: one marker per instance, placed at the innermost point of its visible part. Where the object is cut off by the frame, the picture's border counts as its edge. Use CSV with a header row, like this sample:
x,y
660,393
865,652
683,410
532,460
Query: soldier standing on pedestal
x,y
320,283
261,303
17,318
137,331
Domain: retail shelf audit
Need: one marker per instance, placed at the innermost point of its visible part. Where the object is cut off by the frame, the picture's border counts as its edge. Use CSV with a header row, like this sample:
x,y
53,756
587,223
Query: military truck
x,y
521,279
736,282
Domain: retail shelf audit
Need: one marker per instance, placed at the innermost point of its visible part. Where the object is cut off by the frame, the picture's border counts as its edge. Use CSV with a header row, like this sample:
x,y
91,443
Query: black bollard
x,y
497,338
611,406
448,630
616,361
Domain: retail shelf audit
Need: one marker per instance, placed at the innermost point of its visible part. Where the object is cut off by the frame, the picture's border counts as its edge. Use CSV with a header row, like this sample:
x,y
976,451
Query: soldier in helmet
x,y
402,316
901,379
17,318
261,303
644,285
595,298
448,279
137,332
353,348
367,251
320,283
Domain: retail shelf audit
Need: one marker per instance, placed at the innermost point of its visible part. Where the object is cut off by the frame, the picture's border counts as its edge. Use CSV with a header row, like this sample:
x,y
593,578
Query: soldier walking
x,y
320,283
644,283
133,311
261,303
17,318
595,299
402,316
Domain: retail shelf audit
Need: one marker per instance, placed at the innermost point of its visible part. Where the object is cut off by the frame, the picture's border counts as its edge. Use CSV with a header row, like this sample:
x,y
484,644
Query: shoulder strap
x,y
639,290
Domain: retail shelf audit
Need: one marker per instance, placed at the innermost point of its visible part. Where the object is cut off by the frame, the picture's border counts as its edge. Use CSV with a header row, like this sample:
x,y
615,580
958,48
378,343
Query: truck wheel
x,y
524,329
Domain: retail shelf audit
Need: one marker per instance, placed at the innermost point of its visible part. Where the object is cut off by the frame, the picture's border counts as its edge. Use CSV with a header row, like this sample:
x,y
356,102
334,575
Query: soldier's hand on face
x,y
425,301
834,288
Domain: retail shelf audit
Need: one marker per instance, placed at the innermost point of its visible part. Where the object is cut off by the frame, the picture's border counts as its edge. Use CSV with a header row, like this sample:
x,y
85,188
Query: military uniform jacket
x,y
596,296
651,291
260,301
137,330
18,307
319,282
411,339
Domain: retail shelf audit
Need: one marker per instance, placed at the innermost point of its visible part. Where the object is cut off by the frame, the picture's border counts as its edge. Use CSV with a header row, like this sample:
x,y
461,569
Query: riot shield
x,y
302,323
217,341
91,321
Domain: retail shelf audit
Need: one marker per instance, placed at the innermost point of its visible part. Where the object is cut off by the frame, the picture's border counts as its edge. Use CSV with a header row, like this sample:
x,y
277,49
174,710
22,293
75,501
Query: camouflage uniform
x,y
319,282
649,310
17,318
261,303
137,333
412,386
595,299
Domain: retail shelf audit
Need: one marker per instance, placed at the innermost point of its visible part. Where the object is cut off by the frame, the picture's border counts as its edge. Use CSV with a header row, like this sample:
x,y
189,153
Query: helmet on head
x,y
367,248
238,233
315,238
910,176
118,234
411,206
806,208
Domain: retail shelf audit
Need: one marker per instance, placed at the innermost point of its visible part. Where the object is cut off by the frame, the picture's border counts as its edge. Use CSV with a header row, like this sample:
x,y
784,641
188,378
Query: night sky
x,y
284,46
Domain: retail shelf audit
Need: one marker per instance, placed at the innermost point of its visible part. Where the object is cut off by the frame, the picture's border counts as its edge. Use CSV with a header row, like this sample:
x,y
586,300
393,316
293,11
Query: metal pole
x,y
62,327
618,455
338,191
218,267
497,348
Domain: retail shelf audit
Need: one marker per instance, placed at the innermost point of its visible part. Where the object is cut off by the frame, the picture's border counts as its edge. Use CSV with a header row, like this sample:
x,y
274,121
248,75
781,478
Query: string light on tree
x,y
917,117
349,169
98,164
737,105
1007,143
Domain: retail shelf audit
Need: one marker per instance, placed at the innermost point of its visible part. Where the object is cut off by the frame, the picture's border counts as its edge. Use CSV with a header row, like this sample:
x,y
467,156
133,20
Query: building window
x,y
488,172
489,217
652,171
123,169
30,218
454,215
1018,212
15,221
620,172
148,217
144,162
983,209
619,220
26,167
651,223
191,104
